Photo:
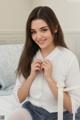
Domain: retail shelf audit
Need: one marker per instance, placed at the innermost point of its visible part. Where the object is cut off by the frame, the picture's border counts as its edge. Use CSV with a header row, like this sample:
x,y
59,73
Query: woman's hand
x,y
47,69
35,68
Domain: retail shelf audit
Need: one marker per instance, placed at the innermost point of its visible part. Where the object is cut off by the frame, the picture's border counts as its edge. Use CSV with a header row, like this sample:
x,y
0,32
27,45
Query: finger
x,y
47,61
38,61
44,63
37,66
37,69
43,66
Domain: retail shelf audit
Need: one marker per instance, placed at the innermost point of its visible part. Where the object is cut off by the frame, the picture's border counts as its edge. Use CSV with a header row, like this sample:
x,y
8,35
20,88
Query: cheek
x,y
34,37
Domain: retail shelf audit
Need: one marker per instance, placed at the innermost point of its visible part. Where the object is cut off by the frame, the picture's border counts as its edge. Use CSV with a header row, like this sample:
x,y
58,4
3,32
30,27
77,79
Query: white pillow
x,y
9,58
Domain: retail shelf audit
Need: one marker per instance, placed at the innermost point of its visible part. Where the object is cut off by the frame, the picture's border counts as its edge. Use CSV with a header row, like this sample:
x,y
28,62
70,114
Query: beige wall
x,y
67,12
13,17
13,14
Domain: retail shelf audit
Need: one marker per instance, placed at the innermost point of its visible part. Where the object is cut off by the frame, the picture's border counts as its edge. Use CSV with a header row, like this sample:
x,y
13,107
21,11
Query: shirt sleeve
x,y
18,84
72,80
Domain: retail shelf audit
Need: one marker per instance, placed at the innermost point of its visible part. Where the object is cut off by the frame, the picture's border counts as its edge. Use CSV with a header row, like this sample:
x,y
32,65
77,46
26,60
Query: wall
x,y
67,13
14,13
13,16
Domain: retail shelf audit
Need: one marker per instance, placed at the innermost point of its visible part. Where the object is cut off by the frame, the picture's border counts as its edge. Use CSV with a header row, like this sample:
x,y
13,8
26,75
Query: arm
x,y
71,79
24,89
67,99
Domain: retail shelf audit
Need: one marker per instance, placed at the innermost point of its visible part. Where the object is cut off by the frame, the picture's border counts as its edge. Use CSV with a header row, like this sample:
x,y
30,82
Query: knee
x,y
20,114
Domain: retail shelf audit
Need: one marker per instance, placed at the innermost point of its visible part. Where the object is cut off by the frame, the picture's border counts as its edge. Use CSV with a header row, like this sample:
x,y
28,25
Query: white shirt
x,y
65,70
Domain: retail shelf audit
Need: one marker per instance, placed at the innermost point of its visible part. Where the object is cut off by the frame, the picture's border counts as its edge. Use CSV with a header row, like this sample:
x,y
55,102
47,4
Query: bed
x,y
9,57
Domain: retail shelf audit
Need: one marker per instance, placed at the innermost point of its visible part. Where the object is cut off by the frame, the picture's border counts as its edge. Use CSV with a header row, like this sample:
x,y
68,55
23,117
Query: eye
x,y
33,32
44,29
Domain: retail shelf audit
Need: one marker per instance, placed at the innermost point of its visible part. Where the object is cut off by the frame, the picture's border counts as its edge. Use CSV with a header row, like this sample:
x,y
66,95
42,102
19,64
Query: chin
x,y
42,46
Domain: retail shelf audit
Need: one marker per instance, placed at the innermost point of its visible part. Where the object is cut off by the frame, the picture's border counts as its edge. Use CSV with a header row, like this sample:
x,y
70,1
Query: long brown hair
x,y
30,47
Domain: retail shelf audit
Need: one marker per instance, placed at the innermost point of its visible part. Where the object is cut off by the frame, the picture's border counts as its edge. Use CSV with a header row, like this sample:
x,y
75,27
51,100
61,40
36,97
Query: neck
x,y
47,51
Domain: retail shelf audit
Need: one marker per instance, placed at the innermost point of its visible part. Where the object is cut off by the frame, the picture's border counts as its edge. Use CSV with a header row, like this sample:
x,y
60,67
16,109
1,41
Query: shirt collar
x,y
50,55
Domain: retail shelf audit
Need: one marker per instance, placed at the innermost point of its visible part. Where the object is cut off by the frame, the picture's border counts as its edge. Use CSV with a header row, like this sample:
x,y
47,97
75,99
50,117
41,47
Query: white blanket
x,y
8,105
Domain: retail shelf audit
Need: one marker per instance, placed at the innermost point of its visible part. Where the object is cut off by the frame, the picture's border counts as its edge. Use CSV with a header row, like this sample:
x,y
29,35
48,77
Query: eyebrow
x,y
41,27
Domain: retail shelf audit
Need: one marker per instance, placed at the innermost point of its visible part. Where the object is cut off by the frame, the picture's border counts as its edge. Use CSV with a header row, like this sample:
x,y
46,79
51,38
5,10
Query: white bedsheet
x,y
8,105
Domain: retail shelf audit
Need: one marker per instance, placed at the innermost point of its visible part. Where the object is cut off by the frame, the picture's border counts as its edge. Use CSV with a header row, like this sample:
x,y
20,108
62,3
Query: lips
x,y
41,41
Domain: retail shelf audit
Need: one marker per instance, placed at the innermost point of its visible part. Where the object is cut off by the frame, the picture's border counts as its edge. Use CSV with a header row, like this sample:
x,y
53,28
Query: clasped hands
x,y
41,66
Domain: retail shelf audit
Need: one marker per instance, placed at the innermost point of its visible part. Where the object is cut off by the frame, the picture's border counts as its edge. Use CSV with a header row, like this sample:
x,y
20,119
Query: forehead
x,y
38,23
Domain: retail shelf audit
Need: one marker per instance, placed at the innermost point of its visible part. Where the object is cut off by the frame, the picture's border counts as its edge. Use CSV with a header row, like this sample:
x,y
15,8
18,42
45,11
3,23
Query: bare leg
x,y
20,114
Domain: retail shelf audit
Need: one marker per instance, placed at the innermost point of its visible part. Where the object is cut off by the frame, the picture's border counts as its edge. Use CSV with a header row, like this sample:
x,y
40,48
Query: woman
x,y
45,62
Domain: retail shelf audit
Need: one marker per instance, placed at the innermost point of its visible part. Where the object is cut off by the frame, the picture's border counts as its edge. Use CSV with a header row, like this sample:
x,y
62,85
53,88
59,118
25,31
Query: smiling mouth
x,y
41,41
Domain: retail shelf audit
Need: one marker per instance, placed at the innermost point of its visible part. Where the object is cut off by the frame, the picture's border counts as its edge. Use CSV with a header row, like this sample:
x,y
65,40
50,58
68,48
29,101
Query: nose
x,y
38,36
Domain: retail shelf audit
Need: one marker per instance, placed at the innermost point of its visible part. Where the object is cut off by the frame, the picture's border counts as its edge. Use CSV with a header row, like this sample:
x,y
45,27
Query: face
x,y
41,34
